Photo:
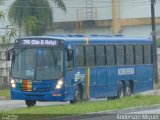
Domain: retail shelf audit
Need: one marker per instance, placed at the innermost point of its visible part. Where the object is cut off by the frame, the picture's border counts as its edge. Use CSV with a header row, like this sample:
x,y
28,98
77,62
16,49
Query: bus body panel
x,y
101,82
144,78
41,91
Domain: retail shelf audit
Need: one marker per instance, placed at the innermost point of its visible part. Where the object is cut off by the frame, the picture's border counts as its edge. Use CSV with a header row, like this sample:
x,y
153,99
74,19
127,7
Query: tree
x,y
1,13
33,15
1,1
8,32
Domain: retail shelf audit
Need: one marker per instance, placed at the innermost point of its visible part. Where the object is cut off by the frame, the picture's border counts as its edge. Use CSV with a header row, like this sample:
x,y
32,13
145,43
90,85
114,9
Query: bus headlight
x,y
13,83
59,84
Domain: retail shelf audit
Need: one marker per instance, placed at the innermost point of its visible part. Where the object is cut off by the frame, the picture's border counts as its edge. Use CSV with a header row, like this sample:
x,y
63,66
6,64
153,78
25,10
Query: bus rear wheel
x,y
129,89
30,103
78,95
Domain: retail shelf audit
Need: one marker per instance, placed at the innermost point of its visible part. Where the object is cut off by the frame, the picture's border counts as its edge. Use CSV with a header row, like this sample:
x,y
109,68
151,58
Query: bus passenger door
x,y
69,74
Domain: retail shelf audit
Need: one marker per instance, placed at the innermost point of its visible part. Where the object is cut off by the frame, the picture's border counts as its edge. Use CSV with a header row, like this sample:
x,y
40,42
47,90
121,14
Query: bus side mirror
x,y
10,54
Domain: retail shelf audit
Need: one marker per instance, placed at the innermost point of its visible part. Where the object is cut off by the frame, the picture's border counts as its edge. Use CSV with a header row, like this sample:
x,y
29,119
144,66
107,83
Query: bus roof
x,y
95,39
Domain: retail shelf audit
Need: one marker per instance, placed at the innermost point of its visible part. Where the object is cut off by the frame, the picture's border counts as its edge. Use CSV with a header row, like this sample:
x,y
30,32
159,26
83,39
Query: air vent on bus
x,y
119,35
100,35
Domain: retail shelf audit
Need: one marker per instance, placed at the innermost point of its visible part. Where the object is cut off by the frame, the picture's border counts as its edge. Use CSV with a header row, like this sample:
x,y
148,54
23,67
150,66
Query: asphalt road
x,y
140,113
11,104
153,114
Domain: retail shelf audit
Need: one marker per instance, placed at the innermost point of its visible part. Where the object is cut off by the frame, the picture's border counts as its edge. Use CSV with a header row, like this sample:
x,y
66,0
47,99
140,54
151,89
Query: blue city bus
x,y
75,67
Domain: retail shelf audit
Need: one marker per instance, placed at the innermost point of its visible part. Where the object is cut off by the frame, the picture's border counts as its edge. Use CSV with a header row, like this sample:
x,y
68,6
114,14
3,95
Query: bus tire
x,y
30,103
121,90
78,96
129,89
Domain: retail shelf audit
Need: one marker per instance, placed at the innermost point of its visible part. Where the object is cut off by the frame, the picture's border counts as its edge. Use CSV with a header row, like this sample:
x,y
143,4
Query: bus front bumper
x,y
38,96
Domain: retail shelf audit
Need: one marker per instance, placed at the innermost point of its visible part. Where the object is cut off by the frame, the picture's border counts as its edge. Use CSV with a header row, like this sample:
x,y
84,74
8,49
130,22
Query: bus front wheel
x,y
78,95
30,103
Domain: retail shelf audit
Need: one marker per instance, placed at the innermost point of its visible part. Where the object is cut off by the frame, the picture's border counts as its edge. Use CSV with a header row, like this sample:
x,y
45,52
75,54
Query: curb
x,y
127,110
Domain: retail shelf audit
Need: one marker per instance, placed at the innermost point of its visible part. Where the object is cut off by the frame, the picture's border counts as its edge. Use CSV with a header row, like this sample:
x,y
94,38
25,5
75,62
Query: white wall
x,y
87,31
102,10
134,9
139,31
137,8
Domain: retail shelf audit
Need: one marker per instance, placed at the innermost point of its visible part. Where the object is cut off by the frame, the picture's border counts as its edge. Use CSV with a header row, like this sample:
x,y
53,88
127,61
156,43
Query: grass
x,y
87,107
43,112
5,93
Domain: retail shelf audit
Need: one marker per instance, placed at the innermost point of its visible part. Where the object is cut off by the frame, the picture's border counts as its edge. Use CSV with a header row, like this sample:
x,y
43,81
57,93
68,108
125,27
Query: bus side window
x,y
147,54
69,63
138,54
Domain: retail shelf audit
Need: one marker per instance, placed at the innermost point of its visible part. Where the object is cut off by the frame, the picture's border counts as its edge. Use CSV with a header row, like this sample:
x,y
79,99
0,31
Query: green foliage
x,y
31,25
60,4
9,34
1,1
32,15
1,15
9,31
5,92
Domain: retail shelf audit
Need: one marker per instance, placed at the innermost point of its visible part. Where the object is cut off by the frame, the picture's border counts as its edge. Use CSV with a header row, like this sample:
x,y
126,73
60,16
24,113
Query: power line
x,y
107,4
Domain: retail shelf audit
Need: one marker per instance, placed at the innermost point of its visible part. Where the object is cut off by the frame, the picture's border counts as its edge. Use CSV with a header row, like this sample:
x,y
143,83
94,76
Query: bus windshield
x,y
37,64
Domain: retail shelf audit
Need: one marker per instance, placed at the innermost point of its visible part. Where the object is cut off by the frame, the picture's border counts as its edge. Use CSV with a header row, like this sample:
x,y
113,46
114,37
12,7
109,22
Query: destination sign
x,y
39,42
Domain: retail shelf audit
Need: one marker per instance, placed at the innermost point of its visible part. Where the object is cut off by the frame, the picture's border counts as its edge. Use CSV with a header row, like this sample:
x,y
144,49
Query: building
x,y
129,17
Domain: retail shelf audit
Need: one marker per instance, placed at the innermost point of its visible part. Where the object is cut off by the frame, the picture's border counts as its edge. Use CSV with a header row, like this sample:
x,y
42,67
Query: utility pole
x,y
154,41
